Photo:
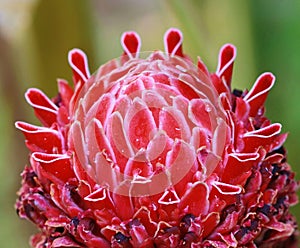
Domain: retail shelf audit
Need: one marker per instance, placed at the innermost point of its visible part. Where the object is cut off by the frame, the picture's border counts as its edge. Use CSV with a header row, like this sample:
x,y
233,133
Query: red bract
x,y
156,152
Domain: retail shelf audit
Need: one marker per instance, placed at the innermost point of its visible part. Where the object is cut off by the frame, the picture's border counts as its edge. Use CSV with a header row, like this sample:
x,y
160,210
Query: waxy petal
x,y
64,242
97,141
173,42
119,139
181,164
226,59
62,197
41,139
200,113
56,166
65,91
202,67
210,222
227,189
139,165
78,145
169,197
174,124
101,109
79,64
256,97
195,200
238,167
265,137
43,107
220,137
158,147
139,124
131,43
156,152
242,109
100,199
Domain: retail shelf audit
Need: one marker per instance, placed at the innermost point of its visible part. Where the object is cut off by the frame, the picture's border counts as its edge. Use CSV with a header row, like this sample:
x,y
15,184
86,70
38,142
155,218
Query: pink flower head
x,y
156,152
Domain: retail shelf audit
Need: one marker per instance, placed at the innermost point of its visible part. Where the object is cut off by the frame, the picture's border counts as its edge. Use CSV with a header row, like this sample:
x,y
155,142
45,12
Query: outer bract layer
x,y
156,152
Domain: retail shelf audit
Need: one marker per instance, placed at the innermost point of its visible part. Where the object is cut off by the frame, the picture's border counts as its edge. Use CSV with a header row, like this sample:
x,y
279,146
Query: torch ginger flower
x,y
156,152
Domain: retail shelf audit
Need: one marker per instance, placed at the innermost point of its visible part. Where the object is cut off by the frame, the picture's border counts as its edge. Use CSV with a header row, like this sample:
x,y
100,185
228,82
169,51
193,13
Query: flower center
x,y
147,121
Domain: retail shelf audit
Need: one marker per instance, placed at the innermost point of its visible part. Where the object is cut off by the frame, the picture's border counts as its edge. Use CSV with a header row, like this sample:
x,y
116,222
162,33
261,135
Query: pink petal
x,y
230,222
64,241
101,109
169,197
43,107
107,174
123,205
227,189
98,195
79,64
138,165
133,88
186,89
160,77
119,140
56,166
167,92
77,96
225,102
202,67
139,124
40,138
238,167
94,92
90,239
182,104
140,237
131,43
63,117
256,97
195,200
210,222
100,199
147,218
122,105
155,103
226,59
200,113
62,197
211,162
220,138
220,85
158,147
283,230
174,124
77,142
65,91
97,141
265,137
242,109
181,163
173,42
229,239
200,138
274,158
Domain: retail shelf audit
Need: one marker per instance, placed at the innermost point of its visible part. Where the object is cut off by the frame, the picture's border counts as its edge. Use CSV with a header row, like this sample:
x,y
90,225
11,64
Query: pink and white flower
x,y
156,152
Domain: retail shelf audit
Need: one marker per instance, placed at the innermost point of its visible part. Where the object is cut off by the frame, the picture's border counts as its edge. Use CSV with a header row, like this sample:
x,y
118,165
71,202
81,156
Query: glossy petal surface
x,y
156,152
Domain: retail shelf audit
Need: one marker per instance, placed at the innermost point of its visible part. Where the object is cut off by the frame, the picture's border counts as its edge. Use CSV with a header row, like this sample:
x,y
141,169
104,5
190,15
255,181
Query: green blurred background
x,y
35,37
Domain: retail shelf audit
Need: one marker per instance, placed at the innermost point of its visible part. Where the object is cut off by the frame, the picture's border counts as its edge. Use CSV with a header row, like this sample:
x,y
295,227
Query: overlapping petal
x,y
156,152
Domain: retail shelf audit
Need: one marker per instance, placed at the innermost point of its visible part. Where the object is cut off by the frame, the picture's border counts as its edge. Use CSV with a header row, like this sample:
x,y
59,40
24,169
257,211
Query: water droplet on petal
x,y
207,108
